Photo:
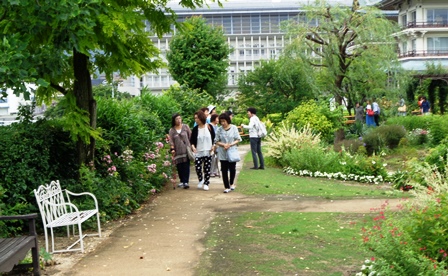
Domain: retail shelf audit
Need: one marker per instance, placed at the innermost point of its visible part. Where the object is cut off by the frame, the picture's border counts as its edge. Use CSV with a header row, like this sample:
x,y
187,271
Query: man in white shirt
x,y
255,140
376,111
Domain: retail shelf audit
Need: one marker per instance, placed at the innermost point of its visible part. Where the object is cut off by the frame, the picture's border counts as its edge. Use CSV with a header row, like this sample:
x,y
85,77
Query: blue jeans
x,y
257,155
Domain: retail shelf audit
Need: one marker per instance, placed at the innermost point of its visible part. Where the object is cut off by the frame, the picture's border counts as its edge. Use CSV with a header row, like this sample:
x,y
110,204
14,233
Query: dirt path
x,y
164,237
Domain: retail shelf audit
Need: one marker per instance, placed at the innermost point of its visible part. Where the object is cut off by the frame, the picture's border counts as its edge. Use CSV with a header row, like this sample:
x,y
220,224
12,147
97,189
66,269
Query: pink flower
x,y
152,168
166,163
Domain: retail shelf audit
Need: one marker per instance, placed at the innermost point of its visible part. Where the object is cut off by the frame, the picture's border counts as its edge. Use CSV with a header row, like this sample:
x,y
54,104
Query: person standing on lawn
x,y
179,136
376,112
227,136
255,140
426,107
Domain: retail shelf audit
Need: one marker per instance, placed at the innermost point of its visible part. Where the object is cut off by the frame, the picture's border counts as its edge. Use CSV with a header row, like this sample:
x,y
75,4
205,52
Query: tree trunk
x,y
82,90
339,134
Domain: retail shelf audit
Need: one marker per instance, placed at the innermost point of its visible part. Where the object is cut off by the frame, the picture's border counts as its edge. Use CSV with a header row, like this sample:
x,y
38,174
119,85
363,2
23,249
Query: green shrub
x,y
438,129
374,142
391,134
189,101
312,159
125,125
419,136
411,122
319,118
362,165
412,240
438,156
351,145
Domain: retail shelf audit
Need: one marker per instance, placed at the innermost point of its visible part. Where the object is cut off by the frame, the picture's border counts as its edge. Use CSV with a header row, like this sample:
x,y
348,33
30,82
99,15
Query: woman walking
x,y
201,141
227,137
179,141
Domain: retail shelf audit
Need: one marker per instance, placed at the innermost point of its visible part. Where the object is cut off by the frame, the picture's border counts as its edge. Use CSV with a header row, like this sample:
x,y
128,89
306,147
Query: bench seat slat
x,y
12,250
71,218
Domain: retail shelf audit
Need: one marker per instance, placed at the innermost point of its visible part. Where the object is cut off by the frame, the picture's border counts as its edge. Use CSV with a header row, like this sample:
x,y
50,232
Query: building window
x,y
227,24
274,23
255,23
265,23
404,20
439,16
245,24
437,45
236,24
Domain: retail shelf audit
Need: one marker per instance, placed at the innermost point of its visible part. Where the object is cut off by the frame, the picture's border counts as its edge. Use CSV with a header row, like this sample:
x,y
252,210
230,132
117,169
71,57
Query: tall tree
x,y
350,45
198,57
276,86
60,44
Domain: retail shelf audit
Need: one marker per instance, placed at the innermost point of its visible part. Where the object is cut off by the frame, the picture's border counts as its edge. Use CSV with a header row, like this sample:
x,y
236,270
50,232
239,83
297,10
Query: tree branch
x,y
59,88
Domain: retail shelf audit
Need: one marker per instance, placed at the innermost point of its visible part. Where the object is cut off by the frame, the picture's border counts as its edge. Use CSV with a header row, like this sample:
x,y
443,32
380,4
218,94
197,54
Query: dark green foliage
x,y
312,159
411,122
36,153
438,156
163,106
351,145
198,55
188,101
124,125
373,141
391,134
437,125
276,86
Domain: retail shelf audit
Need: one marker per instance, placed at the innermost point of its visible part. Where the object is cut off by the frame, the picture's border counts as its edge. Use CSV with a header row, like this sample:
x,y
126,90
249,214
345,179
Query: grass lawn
x,y
272,181
289,243
283,244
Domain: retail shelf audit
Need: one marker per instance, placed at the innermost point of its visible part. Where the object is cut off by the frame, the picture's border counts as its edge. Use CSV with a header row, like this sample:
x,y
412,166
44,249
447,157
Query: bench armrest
x,y
31,221
21,217
81,194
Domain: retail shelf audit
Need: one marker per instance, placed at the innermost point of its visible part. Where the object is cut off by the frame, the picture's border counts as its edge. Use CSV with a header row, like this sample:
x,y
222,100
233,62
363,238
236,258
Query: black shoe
x,y
253,168
186,186
261,168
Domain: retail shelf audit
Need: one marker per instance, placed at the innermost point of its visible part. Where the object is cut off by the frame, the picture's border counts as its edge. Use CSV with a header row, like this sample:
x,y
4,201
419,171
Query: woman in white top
x,y
227,136
201,141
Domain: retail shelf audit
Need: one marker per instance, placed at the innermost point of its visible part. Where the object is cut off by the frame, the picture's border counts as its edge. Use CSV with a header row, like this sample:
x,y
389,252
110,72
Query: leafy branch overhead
x,y
59,45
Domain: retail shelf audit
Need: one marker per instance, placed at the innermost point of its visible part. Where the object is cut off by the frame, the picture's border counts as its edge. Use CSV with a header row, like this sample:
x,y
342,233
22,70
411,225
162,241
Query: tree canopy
x,y
277,86
59,45
198,57
354,49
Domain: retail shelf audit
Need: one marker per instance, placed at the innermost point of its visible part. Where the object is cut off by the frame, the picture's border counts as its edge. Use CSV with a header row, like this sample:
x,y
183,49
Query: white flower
x,y
384,165
373,162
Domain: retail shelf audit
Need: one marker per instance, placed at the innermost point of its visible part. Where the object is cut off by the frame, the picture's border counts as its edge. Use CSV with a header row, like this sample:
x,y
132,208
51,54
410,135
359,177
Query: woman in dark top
x,y
179,141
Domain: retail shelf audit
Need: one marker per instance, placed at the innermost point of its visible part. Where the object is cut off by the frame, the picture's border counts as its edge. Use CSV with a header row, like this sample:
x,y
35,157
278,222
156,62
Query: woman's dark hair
x,y
201,116
252,110
213,117
225,116
173,119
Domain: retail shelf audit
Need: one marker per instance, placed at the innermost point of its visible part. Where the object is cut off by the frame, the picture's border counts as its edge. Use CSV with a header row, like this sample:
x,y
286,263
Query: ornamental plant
x,y
286,137
412,240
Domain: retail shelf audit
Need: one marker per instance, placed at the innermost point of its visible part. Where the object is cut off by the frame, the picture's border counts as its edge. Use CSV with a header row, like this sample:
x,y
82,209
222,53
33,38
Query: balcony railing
x,y
428,24
430,53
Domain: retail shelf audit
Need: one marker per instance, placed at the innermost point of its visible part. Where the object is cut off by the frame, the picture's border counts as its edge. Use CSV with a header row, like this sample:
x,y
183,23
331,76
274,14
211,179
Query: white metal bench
x,y
57,210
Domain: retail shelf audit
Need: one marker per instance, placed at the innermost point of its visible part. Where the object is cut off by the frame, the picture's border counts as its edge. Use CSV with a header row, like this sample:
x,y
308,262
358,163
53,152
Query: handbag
x,y
233,155
190,154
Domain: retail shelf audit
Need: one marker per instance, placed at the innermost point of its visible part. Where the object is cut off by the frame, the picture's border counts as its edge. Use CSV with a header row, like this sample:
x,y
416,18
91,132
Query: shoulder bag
x,y
233,155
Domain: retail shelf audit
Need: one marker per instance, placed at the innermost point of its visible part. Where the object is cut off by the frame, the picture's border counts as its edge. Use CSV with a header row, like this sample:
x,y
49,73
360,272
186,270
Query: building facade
x,y
253,31
424,34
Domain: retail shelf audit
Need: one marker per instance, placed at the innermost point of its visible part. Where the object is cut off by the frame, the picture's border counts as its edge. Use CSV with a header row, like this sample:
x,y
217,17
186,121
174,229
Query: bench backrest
x,y
51,193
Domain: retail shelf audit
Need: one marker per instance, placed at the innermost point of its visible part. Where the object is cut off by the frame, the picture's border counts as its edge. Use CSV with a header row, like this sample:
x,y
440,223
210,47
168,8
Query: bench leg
x,y
36,264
